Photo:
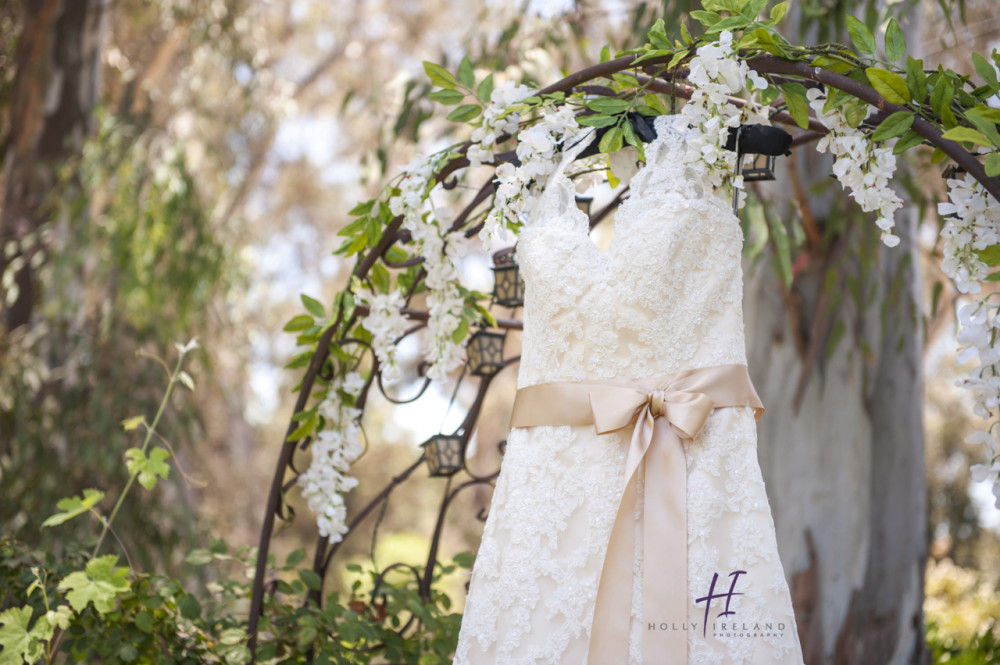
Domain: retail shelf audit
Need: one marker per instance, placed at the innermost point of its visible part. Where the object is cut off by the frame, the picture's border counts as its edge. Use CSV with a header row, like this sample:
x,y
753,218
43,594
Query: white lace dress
x,y
666,296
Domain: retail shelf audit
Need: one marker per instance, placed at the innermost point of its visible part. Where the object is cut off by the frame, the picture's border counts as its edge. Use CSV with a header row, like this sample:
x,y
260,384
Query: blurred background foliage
x,y
202,193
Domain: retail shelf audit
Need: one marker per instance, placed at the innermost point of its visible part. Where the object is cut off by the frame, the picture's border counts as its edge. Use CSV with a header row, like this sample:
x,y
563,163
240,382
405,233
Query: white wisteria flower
x,y
539,149
334,449
716,74
973,220
862,166
386,323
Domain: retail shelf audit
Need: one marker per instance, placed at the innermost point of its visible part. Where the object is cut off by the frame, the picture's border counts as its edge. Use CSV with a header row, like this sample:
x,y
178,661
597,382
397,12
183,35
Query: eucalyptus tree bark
x,y
843,453
56,87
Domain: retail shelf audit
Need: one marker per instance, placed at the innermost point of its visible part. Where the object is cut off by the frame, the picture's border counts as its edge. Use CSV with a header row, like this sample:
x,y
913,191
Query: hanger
x,y
746,139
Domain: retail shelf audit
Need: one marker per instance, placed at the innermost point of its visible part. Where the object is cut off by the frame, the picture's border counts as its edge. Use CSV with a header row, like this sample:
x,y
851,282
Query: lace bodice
x,y
665,296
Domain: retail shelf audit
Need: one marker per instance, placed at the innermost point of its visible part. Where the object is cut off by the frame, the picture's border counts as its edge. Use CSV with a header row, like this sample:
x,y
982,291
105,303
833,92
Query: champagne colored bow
x,y
682,402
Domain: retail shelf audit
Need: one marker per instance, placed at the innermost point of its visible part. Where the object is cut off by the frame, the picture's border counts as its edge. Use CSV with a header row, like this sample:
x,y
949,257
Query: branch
x,y
773,65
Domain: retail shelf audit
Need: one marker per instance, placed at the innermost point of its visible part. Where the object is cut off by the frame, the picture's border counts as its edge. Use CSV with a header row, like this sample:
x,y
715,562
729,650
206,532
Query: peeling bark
x,y
55,89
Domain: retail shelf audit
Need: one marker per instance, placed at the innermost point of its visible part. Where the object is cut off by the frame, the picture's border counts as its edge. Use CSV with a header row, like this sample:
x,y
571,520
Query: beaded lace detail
x,y
666,296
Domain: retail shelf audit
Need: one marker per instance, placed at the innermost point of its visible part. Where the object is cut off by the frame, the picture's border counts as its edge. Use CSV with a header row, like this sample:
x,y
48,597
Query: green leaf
x,y
485,89
307,427
993,164
300,322
148,469
380,278
890,85
199,557
707,19
778,12
612,140
597,120
440,76
20,644
100,584
986,71
465,73
608,105
447,97
311,579
730,23
465,113
655,102
942,94
132,423
460,332
189,606
658,36
916,80
990,255
313,306
797,102
895,125
186,379
966,134
908,140
295,558
767,42
861,36
855,112
74,506
833,64
783,256
986,126
605,53
753,8
686,34
895,41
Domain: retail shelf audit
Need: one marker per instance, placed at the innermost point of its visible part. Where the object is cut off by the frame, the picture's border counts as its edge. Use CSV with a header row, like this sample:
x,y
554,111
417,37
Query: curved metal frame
x,y
658,81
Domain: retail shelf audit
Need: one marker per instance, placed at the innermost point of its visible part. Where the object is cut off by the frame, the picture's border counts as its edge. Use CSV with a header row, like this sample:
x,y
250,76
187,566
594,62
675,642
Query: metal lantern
x,y
760,167
508,286
584,203
952,171
445,454
485,351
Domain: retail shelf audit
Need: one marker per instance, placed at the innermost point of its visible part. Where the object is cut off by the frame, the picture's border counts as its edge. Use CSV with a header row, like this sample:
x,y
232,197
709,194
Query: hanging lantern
x,y
485,351
445,454
508,286
952,172
584,203
757,167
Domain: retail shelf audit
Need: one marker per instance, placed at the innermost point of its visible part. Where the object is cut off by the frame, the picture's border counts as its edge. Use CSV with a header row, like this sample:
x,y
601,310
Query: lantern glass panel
x,y
758,168
508,287
445,454
485,351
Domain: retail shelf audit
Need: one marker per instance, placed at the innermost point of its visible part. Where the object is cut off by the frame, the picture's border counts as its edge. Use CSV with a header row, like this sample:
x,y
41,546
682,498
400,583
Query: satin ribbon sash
x,y
663,411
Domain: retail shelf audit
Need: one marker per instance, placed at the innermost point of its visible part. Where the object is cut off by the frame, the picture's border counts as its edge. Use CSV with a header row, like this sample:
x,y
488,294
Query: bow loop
x,y
686,411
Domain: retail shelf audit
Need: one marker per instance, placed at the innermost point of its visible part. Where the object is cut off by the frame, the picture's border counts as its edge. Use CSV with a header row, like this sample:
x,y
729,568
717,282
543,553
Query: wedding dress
x,y
666,296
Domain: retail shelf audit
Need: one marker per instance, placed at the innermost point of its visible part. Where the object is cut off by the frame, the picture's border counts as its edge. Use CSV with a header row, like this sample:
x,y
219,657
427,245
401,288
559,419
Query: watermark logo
x,y
722,600
714,596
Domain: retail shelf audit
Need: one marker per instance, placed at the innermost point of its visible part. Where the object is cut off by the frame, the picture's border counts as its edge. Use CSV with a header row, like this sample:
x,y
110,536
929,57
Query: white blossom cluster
x,y
539,150
977,335
441,250
334,448
386,323
972,224
495,123
863,167
715,74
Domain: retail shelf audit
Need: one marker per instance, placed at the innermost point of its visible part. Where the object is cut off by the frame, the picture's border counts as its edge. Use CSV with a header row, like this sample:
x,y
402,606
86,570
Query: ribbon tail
x,y
665,551
612,619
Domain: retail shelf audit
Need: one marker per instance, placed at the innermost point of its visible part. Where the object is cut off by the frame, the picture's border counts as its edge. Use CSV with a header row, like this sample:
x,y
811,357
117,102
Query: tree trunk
x,y
56,87
845,472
